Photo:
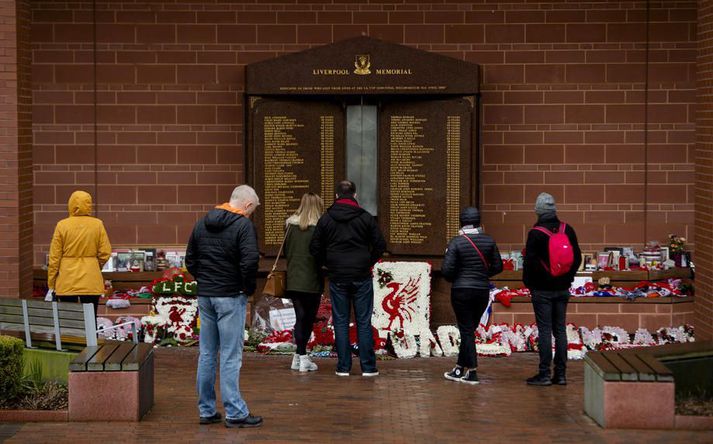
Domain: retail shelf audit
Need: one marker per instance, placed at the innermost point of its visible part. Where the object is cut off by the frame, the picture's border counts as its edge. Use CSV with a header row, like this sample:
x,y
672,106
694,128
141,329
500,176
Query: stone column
x,y
15,150
704,175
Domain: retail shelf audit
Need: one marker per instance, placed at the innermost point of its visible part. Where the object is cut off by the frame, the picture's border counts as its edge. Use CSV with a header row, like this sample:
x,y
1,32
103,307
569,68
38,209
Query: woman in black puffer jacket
x,y
471,259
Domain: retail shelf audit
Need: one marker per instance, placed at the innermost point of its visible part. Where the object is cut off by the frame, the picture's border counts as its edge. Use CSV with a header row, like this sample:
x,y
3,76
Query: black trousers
x,y
94,300
551,317
468,305
306,307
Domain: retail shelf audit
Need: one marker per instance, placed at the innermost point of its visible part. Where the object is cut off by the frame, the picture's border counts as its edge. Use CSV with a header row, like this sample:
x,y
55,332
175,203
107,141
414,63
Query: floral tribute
x,y
172,283
644,289
502,339
174,317
402,314
402,307
122,333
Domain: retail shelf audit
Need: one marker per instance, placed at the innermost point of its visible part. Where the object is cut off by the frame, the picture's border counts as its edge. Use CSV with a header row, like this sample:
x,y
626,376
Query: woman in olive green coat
x,y
304,281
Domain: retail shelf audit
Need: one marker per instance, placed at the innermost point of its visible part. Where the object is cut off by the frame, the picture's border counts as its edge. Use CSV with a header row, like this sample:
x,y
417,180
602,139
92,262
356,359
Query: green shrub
x,y
10,367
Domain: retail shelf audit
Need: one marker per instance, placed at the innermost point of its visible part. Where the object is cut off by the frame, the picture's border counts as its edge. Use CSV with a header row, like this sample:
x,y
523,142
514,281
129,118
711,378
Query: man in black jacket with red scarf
x,y
348,242
550,294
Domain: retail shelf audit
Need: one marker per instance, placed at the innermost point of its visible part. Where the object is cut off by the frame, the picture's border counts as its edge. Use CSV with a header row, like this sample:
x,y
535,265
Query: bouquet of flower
x,y
676,244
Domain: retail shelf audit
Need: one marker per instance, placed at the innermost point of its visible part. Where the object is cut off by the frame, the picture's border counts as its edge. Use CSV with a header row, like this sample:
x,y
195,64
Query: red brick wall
x,y
704,174
564,94
15,150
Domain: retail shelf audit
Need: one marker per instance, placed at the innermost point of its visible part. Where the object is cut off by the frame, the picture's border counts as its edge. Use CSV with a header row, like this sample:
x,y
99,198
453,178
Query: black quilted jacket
x,y
222,254
463,266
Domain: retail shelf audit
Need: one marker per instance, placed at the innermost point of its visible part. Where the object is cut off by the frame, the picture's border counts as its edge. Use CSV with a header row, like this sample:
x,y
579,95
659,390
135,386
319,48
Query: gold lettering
x,y
410,159
330,72
394,71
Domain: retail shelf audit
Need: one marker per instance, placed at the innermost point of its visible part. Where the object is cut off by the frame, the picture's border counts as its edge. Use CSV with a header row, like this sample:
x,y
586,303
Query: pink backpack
x,y
561,253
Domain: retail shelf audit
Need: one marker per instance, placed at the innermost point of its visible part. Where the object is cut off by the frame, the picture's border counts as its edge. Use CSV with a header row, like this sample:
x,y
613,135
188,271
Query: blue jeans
x,y
222,326
361,294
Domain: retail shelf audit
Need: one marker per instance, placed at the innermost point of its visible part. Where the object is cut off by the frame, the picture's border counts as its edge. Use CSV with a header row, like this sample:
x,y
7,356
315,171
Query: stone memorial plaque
x,y
297,147
426,170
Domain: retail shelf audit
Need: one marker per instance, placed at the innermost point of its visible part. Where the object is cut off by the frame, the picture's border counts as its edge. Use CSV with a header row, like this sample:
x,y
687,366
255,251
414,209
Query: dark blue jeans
x,y
551,317
343,295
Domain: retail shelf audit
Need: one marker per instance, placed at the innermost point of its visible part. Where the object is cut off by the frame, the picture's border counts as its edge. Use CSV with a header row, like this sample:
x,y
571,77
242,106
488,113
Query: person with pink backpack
x,y
552,258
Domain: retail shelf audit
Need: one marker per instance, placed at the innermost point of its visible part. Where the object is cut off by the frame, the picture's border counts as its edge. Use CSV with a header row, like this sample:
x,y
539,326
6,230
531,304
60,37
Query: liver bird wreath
x,y
399,304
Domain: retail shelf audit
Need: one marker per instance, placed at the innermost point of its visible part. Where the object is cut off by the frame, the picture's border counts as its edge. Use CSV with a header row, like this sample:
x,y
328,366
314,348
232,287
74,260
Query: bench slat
x,y
46,336
136,357
33,320
113,364
42,321
44,329
63,323
79,363
628,373
644,371
663,373
5,325
96,363
75,315
62,306
602,366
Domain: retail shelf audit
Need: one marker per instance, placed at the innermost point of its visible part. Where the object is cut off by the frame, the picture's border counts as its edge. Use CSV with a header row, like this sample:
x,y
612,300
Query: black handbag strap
x,y
485,262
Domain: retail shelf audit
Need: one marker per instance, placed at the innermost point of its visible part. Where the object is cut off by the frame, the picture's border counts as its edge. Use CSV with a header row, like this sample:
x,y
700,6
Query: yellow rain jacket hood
x,y
79,249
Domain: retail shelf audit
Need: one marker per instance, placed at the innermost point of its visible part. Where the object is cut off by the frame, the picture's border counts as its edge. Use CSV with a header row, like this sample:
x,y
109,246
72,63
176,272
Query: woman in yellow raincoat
x,y
79,249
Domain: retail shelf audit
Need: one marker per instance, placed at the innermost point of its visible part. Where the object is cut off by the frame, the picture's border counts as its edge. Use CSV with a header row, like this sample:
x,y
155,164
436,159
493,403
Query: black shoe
x,y
539,379
454,375
211,419
470,377
248,421
559,379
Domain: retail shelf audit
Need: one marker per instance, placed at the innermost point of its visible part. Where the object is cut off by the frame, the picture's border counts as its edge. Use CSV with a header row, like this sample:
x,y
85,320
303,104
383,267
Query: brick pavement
x,y
410,402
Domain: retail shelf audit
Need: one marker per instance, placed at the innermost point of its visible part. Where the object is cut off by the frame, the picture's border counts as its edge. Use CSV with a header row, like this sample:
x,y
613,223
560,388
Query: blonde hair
x,y
311,208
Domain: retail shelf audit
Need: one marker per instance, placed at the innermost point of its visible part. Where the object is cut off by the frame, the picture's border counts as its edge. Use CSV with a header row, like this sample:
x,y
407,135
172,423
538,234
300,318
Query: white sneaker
x,y
306,364
370,374
295,362
341,373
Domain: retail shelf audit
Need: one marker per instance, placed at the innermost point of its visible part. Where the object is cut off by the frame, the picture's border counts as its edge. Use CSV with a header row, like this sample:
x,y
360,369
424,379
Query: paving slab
x,y
409,402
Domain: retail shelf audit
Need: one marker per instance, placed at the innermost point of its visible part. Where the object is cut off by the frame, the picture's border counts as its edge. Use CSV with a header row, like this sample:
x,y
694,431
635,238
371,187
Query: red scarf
x,y
347,201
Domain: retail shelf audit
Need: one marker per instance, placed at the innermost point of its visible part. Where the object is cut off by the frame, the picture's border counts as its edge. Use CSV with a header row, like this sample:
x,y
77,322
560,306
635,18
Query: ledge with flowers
x,y
401,323
402,315
630,299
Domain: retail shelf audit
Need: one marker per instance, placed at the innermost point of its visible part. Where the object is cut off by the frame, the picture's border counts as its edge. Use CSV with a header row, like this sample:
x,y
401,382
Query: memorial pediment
x,y
362,66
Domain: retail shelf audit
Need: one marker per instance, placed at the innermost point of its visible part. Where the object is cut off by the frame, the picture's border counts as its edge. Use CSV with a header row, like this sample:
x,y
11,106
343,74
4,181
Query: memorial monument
x,y
400,122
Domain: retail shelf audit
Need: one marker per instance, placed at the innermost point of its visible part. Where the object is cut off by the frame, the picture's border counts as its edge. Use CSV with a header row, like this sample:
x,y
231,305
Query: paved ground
x,y
409,402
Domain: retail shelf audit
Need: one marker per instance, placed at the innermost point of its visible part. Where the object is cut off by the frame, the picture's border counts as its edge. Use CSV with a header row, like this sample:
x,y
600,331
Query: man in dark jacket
x,y
222,256
549,294
348,242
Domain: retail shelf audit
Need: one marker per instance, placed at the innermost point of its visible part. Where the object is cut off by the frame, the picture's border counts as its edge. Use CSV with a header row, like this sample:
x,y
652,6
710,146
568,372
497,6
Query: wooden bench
x,y
629,389
113,381
68,323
